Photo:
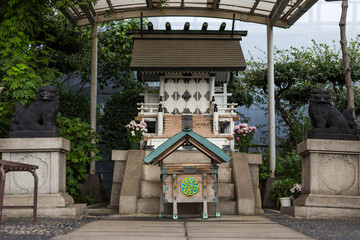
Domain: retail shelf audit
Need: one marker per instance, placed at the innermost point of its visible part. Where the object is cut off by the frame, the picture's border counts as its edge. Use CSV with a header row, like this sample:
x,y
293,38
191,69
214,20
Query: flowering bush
x,y
296,190
136,131
244,134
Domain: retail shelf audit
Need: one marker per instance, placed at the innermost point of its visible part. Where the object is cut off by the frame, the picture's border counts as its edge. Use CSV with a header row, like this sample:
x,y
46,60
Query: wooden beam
x,y
277,11
110,5
149,3
68,14
301,11
292,9
89,13
254,7
76,12
182,4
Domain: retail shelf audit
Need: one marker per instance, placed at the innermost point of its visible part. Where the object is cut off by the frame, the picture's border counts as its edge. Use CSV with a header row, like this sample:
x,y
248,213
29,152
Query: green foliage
x,y
72,52
289,167
24,55
296,72
74,105
83,141
281,188
119,110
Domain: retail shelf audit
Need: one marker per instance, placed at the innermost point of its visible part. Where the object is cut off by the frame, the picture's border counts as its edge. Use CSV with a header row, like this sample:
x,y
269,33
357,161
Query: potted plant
x,y
136,133
281,191
243,136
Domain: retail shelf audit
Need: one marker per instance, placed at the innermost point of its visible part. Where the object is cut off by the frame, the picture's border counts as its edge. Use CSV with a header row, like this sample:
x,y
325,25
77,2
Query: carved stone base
x,y
330,179
49,154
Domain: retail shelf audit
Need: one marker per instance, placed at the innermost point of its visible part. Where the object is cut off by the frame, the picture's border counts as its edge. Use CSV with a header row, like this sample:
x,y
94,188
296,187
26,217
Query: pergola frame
x,y
279,13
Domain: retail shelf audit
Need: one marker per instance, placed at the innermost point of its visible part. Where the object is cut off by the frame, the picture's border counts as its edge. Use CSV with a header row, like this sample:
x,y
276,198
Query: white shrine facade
x,y
186,78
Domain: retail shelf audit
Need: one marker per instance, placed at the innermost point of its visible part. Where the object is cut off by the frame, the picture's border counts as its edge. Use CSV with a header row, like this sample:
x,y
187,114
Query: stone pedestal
x,y
50,155
330,179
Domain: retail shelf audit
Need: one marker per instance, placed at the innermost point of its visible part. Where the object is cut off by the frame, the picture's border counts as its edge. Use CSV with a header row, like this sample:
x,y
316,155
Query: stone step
x,y
152,173
152,189
152,205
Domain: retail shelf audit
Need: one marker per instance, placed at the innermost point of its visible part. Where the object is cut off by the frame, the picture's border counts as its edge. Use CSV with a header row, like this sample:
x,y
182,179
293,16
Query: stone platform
x,y
49,154
330,180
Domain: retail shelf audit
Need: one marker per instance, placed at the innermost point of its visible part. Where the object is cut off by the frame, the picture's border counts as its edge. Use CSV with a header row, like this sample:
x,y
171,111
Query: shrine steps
x,y
149,198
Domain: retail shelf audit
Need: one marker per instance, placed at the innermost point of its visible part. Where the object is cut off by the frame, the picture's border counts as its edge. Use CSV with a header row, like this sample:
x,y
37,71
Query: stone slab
x,y
69,211
320,212
226,227
151,173
152,206
336,201
119,155
34,144
323,145
130,189
44,200
243,185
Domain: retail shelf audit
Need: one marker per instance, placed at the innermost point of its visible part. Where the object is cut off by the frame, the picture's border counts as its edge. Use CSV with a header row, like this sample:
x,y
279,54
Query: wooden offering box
x,y
189,183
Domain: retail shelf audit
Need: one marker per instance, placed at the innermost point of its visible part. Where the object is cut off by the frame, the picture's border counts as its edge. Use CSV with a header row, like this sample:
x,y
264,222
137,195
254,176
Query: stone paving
x,y
270,225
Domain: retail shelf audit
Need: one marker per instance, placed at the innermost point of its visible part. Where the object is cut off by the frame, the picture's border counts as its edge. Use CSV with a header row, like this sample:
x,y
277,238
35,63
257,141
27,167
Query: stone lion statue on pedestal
x,y
39,119
327,121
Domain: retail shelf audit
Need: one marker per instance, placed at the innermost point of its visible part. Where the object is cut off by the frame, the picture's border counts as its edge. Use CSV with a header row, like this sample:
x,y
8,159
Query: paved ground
x,y
266,226
185,228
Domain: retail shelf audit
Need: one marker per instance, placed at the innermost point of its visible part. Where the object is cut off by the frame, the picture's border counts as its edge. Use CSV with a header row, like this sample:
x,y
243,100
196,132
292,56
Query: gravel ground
x,y
45,228
344,229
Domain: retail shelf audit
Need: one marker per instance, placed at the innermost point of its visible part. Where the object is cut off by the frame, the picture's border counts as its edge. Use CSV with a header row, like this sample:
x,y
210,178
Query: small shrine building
x,y
186,74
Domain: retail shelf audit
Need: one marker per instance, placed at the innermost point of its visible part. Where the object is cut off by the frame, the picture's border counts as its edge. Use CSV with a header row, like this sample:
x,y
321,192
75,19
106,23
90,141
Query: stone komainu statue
x,y
327,121
39,119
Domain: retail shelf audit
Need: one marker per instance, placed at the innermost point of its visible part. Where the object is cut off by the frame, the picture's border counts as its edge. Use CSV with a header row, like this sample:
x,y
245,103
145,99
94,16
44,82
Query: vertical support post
x,y
175,213
205,194
93,95
161,214
215,120
271,99
225,94
212,87
161,88
160,121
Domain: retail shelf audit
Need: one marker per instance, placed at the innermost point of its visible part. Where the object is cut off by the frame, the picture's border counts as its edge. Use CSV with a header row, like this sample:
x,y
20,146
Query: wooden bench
x,y
7,166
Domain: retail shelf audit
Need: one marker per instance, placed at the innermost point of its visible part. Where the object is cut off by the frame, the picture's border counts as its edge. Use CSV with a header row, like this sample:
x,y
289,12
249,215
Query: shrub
x,y
74,105
119,110
289,166
83,141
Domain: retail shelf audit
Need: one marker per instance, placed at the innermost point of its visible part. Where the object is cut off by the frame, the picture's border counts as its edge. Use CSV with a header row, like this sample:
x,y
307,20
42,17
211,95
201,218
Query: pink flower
x,y
238,138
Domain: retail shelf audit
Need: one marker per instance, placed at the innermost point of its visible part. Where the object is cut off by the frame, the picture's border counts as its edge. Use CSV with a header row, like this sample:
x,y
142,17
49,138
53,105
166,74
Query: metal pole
x,y
93,94
271,99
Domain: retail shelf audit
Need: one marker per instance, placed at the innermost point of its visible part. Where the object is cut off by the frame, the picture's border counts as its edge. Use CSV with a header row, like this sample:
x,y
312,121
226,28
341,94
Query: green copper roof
x,y
177,140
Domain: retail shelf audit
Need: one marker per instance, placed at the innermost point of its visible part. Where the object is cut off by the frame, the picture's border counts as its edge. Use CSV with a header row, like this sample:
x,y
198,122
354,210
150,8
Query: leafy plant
x,y
74,105
289,166
281,188
119,110
83,141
